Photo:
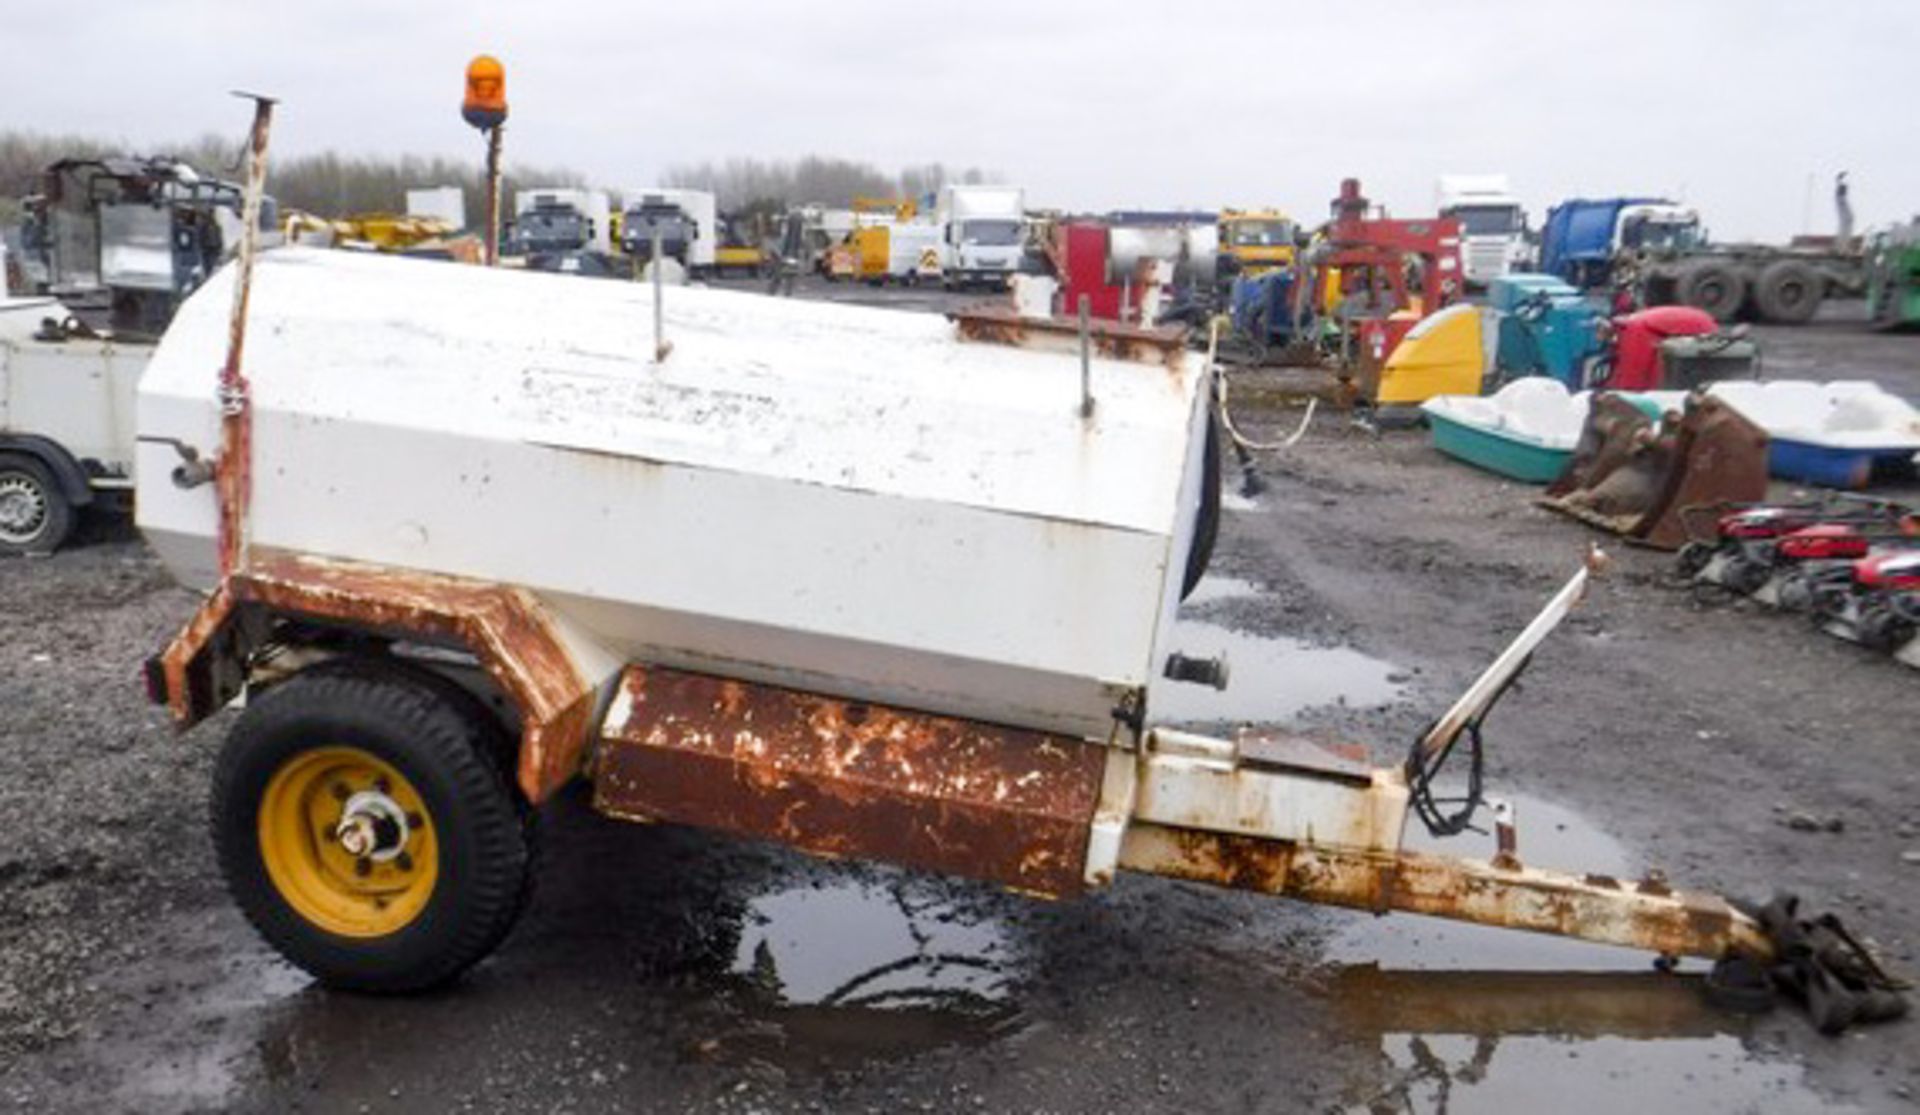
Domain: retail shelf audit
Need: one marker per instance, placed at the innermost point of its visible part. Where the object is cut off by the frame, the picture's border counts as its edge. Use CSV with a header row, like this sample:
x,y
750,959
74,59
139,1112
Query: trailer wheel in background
x,y
1789,292
35,516
367,830
1714,287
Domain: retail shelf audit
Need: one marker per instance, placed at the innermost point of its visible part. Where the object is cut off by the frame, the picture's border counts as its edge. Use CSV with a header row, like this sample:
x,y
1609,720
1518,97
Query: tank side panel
x,y
927,604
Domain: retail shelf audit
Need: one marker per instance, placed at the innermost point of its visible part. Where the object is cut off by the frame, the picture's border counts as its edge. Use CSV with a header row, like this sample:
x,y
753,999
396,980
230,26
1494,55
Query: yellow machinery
x,y
1257,239
867,250
388,232
739,251
1440,355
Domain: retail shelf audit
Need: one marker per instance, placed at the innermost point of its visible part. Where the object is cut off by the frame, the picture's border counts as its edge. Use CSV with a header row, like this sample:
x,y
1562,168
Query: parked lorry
x,y
1493,225
1785,285
687,221
984,527
1253,241
561,220
985,234
1582,237
124,242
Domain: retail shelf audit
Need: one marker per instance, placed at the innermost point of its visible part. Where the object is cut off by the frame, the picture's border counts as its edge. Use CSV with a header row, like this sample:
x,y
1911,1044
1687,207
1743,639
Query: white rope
x,y
1226,416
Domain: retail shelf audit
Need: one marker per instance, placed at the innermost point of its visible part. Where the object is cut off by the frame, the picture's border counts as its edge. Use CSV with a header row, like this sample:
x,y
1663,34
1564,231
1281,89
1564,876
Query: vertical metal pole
x,y
493,194
1086,359
660,344
233,468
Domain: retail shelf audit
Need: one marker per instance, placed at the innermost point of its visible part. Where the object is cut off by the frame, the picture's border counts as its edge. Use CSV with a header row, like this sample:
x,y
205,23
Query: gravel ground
x,y
663,969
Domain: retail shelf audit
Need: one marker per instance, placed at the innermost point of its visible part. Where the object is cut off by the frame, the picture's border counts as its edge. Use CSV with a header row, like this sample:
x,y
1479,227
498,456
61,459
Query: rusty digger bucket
x,y
1635,477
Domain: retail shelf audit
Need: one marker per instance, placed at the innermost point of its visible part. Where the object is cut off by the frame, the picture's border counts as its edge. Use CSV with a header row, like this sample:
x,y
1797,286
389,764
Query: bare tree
x,y
813,179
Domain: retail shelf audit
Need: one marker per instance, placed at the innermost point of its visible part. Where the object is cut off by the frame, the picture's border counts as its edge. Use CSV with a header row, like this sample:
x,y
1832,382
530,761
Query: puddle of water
x,y
1270,679
851,971
1461,1075
1475,1019
1214,587
873,947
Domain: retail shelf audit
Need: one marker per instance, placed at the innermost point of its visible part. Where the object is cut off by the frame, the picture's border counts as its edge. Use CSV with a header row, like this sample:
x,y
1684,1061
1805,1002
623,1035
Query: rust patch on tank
x,y
992,323
849,779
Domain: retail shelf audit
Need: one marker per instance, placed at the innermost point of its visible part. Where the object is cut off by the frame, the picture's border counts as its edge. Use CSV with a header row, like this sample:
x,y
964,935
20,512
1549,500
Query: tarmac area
x,y
664,969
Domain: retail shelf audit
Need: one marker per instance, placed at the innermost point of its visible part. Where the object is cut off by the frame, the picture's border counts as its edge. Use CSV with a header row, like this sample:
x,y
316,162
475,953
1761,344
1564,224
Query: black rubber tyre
x,y
449,752
1745,575
1714,287
1788,293
1694,558
35,517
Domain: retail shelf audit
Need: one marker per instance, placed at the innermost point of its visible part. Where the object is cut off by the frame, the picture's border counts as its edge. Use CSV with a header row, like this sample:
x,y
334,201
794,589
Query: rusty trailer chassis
x,y
1040,814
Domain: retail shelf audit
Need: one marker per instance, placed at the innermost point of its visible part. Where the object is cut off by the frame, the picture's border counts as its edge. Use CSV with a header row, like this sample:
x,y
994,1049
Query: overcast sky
x,y
1728,104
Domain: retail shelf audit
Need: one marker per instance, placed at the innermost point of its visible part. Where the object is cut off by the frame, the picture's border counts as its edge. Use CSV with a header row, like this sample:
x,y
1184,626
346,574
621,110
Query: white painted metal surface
x,y
842,499
78,393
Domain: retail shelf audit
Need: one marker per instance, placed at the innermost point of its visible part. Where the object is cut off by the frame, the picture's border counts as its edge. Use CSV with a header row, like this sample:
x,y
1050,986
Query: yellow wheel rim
x,y
354,895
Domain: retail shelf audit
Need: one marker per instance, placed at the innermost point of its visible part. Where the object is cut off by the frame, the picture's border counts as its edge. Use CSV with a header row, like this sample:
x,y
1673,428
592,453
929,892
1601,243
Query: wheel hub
x,y
347,842
372,826
23,508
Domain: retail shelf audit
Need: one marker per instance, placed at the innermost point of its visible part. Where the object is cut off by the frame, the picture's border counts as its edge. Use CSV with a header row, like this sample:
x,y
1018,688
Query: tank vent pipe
x,y
1086,360
661,346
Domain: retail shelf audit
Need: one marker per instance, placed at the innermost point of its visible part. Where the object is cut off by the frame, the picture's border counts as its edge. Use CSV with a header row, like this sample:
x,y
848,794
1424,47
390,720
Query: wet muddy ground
x,y
665,969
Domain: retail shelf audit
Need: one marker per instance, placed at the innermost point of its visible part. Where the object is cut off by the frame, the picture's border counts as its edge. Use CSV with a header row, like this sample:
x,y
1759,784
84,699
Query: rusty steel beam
x,y
233,467
510,633
1645,915
845,779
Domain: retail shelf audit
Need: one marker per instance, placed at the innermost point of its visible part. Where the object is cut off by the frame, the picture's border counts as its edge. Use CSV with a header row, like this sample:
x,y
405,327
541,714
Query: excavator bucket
x,y
1636,479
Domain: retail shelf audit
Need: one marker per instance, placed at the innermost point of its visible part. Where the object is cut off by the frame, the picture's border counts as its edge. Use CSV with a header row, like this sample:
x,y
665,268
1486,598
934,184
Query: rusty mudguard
x,y
506,629
844,779
1637,478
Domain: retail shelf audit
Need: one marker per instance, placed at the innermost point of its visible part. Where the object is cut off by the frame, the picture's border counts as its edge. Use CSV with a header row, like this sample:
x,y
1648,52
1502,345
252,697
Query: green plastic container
x,y
1498,451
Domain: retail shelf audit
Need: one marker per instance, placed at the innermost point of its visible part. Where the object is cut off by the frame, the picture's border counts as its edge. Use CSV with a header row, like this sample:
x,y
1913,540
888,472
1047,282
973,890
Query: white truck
x,y
562,219
688,222
986,234
1493,224
913,252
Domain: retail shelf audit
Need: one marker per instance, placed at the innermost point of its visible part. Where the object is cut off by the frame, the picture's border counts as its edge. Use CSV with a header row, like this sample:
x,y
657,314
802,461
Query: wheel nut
x,y
340,791
361,867
403,861
355,835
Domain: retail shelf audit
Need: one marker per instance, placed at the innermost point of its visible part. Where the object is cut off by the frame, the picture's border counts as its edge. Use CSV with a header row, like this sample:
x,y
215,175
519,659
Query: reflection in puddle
x,y
1270,679
1470,1019
850,945
1461,1074
851,970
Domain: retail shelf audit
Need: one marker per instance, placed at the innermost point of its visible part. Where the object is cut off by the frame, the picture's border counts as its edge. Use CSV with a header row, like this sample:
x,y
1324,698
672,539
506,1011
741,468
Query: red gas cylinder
x,y
1637,337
